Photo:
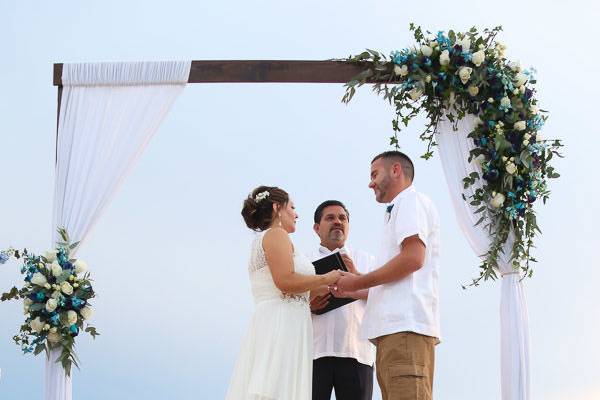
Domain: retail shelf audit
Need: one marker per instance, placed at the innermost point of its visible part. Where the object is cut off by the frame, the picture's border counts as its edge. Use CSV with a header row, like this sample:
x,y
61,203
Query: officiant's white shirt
x,y
410,304
336,333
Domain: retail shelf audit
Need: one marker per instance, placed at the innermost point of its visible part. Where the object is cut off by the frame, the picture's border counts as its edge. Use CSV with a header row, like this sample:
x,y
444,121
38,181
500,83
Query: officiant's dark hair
x,y
327,203
393,155
258,206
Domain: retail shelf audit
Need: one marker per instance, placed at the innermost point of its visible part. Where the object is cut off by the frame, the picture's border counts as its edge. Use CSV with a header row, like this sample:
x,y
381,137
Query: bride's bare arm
x,y
279,253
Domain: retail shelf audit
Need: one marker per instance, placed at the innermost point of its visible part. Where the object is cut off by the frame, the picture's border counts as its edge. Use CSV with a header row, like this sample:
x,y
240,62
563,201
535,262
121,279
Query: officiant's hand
x,y
319,302
350,264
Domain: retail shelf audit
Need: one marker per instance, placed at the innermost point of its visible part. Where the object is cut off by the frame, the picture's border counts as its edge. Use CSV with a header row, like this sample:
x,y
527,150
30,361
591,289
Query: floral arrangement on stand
x,y
449,75
56,296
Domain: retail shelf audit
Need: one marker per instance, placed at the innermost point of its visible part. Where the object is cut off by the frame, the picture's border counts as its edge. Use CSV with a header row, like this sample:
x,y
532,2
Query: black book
x,y
325,265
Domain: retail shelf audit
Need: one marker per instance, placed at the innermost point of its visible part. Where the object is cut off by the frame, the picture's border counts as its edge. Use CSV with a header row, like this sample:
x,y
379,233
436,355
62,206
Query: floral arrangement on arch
x,y
56,296
449,75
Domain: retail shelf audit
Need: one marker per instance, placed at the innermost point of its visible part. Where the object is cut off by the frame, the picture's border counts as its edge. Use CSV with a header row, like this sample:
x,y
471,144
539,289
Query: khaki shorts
x,y
404,365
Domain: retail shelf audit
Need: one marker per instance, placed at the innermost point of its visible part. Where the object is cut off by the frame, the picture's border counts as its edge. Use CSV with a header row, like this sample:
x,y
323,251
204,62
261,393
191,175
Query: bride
x,y
275,361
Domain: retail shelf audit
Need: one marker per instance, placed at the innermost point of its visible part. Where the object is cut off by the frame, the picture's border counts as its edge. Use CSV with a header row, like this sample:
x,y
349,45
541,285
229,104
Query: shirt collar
x,y
403,194
325,251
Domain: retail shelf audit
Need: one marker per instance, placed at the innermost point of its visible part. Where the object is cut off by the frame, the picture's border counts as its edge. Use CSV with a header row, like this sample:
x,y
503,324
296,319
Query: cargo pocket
x,y
408,382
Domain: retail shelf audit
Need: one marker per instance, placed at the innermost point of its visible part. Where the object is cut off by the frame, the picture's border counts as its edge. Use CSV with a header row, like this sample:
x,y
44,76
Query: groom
x,y
402,317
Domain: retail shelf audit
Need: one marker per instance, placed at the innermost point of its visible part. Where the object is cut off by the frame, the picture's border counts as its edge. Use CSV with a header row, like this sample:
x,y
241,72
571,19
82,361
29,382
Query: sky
x,y
169,256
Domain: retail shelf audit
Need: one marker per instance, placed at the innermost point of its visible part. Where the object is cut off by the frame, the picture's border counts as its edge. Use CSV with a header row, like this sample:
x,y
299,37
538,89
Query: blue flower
x,y
3,257
467,56
55,318
442,40
40,296
77,303
399,57
512,212
483,141
491,124
427,62
74,330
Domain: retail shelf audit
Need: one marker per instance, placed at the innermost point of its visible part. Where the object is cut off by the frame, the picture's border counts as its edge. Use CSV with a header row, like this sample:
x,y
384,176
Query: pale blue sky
x,y
169,256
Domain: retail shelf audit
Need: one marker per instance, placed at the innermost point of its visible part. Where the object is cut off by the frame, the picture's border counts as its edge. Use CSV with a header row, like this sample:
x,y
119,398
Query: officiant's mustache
x,y
340,227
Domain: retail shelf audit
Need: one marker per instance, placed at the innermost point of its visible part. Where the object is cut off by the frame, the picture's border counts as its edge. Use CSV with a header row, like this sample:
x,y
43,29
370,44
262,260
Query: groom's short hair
x,y
397,156
327,203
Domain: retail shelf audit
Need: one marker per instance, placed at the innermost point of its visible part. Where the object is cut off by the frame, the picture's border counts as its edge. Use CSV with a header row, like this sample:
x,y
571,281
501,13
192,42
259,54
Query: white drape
x,y
454,148
108,114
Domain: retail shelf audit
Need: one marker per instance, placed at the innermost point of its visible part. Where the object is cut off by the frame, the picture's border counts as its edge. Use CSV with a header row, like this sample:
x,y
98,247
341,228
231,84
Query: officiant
x,y
342,361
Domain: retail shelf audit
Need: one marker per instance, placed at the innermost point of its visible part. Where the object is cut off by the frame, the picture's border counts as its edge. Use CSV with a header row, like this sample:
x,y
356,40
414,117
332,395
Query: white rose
x,y
473,90
515,66
55,295
415,94
520,125
534,109
86,312
478,57
426,50
71,317
505,102
81,266
445,58
498,200
520,79
50,255
55,268
39,279
539,137
428,78
54,337
511,168
66,288
51,305
465,43
26,303
37,325
465,74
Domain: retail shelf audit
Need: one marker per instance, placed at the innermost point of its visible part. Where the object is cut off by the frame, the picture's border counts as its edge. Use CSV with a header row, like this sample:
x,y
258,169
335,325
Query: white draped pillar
x,y
454,148
108,114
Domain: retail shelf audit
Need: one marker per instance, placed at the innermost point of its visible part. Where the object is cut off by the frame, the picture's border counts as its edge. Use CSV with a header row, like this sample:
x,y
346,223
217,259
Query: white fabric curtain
x,y
454,148
108,114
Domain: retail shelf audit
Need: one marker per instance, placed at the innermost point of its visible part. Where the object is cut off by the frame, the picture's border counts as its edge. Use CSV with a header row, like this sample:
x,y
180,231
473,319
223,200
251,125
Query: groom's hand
x,y
347,283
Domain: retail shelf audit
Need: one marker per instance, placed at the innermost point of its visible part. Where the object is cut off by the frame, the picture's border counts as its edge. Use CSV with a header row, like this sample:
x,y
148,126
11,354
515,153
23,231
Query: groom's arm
x,y
410,259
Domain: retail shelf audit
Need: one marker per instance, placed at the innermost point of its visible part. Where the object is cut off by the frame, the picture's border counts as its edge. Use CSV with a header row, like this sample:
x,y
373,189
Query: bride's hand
x,y
332,276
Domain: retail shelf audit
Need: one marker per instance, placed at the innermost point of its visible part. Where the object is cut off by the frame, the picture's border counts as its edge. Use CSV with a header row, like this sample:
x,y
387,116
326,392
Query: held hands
x,y
346,285
332,277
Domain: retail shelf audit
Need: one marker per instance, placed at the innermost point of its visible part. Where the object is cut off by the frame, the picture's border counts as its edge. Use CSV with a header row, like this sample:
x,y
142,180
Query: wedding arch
x,y
489,147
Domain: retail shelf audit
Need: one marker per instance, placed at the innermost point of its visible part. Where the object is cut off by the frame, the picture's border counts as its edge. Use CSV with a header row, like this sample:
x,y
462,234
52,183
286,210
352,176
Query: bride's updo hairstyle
x,y
258,207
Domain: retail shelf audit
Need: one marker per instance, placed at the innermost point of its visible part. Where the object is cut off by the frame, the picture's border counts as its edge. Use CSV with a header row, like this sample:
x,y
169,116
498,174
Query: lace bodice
x,y
261,280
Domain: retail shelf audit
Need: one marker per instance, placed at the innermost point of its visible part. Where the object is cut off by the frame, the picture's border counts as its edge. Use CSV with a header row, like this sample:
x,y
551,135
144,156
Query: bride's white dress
x,y
275,361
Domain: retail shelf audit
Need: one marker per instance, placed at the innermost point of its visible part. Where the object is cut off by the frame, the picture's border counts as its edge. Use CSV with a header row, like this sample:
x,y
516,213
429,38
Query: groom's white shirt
x,y
336,333
410,304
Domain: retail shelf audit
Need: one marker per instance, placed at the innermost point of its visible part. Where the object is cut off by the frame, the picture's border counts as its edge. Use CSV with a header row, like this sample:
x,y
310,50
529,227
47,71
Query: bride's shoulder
x,y
276,236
